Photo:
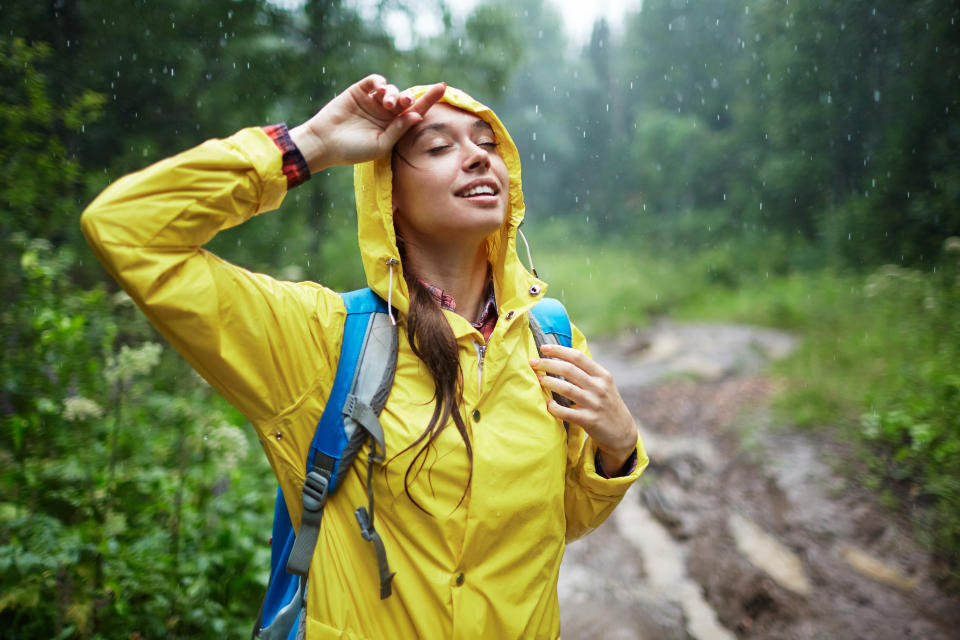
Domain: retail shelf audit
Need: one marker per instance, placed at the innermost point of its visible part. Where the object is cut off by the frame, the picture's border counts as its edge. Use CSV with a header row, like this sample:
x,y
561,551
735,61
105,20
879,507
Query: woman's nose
x,y
475,157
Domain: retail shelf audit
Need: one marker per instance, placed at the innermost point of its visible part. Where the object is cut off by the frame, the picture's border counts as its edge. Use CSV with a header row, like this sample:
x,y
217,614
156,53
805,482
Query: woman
x,y
482,485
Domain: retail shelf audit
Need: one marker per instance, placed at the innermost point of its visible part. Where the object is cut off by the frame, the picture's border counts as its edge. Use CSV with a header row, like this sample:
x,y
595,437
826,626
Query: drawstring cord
x,y
529,256
391,262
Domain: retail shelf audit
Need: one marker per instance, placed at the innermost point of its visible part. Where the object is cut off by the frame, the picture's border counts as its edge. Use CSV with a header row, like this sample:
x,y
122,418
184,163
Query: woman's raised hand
x,y
597,405
362,123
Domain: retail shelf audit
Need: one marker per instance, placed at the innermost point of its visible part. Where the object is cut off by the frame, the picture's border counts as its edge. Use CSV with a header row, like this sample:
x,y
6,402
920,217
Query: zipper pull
x,y
481,351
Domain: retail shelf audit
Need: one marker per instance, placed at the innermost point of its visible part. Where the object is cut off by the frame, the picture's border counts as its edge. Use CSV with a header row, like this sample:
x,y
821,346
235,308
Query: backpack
x,y
365,370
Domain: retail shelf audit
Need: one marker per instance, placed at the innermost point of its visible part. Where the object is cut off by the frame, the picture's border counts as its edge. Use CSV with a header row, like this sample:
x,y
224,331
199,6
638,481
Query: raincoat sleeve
x,y
260,342
590,497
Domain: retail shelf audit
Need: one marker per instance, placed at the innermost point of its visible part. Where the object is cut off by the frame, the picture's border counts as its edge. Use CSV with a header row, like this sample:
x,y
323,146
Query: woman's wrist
x,y
311,146
613,461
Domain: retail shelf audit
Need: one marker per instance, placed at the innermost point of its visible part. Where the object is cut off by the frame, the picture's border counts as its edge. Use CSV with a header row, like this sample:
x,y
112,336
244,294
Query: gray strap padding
x,y
282,624
373,379
361,413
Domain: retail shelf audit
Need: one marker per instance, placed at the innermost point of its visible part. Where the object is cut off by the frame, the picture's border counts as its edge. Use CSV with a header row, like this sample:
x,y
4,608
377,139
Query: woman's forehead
x,y
442,117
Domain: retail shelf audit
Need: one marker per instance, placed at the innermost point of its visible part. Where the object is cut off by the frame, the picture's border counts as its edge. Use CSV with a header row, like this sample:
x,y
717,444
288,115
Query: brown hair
x,y
432,340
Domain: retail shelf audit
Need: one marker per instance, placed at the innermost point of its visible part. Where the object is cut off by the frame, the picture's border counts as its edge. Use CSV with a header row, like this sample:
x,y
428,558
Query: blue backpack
x,y
365,370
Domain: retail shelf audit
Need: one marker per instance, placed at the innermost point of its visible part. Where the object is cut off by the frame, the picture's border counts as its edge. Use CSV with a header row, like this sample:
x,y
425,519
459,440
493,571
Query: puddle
x,y
665,563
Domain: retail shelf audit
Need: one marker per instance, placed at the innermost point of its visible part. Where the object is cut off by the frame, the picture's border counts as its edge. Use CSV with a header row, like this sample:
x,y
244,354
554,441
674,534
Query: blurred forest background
x,y
791,163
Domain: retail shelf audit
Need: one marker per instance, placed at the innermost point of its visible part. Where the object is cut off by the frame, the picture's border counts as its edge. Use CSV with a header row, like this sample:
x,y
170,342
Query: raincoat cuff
x,y
592,480
264,156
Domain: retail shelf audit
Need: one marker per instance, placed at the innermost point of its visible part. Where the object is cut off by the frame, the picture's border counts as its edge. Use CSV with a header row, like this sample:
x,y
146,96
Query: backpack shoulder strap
x,y
550,324
365,370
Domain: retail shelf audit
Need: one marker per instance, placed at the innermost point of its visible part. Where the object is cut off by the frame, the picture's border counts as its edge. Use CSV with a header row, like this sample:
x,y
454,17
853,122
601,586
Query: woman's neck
x,y
460,271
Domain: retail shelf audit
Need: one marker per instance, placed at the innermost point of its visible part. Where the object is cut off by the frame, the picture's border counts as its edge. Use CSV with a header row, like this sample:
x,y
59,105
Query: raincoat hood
x,y
515,287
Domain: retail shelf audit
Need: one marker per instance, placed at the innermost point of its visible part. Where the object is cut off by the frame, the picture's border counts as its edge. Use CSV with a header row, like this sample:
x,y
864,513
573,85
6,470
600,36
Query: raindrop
x,y
536,108
608,107
761,206
534,136
544,156
724,197
876,95
746,10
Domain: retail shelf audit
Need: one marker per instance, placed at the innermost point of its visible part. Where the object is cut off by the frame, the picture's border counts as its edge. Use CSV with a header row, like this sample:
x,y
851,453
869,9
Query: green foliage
x,y
882,363
105,530
34,158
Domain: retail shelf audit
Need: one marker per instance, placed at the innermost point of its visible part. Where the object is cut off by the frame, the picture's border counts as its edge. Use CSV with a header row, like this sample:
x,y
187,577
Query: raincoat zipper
x,y
481,350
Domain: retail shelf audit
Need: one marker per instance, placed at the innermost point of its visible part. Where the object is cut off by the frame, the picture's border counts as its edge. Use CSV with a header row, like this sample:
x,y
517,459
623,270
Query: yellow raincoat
x,y
484,569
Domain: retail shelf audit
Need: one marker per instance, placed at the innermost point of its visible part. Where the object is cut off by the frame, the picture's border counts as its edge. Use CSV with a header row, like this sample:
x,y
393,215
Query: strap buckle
x,y
315,491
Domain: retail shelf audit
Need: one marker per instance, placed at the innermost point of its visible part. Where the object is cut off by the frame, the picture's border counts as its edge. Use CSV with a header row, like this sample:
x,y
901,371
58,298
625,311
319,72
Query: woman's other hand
x,y
596,403
362,123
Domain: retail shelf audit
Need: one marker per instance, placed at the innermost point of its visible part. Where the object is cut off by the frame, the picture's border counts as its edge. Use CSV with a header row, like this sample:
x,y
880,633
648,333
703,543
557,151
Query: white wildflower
x,y
133,362
228,445
293,273
121,299
79,408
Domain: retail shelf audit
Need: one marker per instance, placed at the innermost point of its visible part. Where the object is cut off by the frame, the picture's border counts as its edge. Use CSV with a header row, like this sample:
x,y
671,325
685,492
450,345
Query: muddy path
x,y
740,528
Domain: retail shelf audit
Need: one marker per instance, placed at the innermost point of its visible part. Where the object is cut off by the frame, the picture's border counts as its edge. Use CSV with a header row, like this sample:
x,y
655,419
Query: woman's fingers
x,y
570,391
598,407
577,358
429,98
575,374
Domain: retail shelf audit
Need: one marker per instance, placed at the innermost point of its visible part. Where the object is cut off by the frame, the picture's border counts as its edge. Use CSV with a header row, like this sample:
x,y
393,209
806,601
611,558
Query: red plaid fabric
x,y
294,165
488,312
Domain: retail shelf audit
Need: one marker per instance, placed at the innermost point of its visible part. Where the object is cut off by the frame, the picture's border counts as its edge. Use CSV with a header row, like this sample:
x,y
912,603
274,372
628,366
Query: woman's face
x,y
449,181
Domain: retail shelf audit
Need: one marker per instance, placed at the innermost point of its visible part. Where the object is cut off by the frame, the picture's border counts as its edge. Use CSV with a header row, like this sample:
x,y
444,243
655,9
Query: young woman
x,y
482,484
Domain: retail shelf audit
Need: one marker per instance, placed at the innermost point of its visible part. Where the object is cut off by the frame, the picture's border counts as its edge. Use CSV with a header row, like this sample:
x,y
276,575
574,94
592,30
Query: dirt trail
x,y
739,529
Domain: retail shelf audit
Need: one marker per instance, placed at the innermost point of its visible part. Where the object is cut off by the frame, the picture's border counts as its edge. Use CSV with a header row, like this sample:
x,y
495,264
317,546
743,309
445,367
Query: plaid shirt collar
x,y
488,311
